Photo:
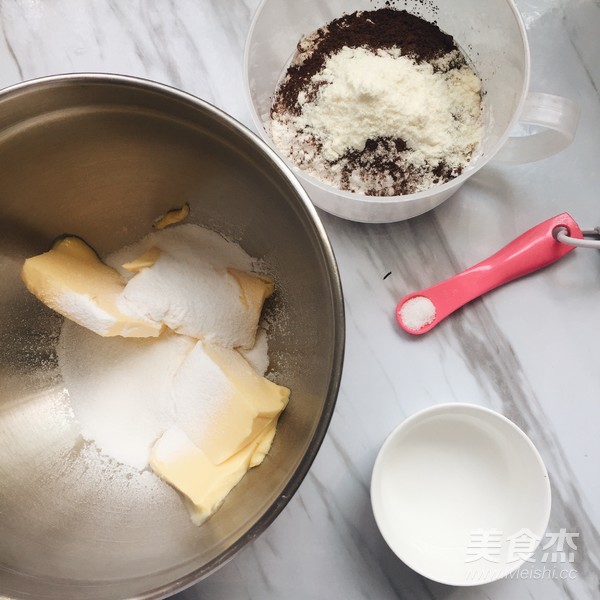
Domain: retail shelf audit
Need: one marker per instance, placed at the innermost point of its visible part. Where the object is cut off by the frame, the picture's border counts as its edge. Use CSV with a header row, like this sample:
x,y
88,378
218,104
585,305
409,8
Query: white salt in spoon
x,y
421,311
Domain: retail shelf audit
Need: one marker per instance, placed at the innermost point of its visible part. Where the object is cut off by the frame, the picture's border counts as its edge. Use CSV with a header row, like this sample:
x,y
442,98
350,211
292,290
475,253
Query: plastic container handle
x,y
532,250
558,116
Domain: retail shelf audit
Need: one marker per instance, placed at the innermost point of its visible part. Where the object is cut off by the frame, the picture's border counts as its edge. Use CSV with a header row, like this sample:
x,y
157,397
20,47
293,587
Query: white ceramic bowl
x,y
460,494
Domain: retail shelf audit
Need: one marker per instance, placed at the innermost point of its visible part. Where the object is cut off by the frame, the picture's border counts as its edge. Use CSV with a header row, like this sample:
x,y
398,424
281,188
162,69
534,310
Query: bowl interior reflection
x,y
101,157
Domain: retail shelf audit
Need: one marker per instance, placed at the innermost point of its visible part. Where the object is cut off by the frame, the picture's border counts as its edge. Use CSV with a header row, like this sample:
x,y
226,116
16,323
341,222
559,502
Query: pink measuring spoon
x,y
421,311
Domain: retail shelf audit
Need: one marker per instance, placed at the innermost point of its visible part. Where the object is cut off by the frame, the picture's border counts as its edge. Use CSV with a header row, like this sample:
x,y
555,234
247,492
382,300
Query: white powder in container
x,y
369,95
417,312
378,102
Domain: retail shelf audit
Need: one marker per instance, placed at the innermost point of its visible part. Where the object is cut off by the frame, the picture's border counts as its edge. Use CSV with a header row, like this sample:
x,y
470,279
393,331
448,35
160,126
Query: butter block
x,y
179,462
254,290
172,217
263,444
73,281
221,402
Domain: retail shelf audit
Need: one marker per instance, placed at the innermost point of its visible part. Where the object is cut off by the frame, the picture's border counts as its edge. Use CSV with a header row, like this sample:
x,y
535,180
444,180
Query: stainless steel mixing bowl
x,y
101,156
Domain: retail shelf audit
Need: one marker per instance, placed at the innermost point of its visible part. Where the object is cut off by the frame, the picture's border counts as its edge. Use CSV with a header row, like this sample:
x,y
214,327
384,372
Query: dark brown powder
x,y
390,175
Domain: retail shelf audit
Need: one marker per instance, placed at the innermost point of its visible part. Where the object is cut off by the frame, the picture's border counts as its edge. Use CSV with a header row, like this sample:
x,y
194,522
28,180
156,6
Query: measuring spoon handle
x,y
531,251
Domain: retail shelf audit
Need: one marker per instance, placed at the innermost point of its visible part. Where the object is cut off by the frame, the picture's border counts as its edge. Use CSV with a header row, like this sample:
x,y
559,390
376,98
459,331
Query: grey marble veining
x,y
529,350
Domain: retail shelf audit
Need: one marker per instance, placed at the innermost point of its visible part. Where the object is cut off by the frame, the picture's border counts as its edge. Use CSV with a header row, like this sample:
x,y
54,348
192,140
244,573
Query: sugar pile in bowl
x,y
133,399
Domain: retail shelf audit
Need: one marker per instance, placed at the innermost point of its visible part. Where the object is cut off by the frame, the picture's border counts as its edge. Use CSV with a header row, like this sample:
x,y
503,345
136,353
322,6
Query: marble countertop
x,y
529,350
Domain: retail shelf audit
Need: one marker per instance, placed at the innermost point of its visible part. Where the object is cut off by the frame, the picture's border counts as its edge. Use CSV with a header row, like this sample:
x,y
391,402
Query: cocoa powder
x,y
383,156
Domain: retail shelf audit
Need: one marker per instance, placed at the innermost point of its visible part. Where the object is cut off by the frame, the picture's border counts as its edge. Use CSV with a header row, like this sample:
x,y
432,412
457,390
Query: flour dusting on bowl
x,y
380,102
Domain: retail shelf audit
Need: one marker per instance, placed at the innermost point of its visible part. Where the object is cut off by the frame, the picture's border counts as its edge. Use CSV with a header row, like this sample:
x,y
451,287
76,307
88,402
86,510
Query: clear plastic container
x,y
491,34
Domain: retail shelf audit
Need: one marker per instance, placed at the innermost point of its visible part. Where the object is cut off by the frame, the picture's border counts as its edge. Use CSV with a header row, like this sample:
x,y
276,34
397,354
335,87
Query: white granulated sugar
x,y
173,444
110,479
258,355
188,288
82,309
119,388
125,392
417,312
184,240
200,393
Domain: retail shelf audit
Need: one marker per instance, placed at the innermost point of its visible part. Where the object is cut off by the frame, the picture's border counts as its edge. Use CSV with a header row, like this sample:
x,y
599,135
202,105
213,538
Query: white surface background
x,y
530,350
